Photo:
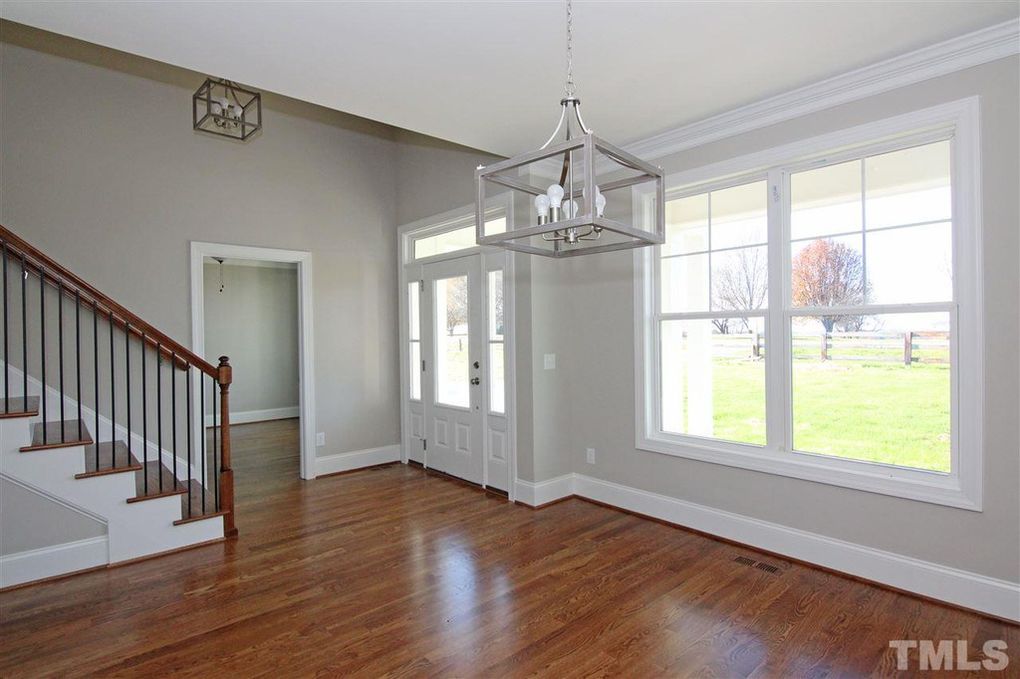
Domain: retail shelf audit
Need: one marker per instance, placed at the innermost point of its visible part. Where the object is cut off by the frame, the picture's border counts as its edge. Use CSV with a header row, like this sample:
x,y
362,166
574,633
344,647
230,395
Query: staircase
x,y
105,413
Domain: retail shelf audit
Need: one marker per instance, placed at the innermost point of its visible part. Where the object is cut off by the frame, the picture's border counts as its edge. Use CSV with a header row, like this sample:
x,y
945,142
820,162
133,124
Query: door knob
x,y
476,380
477,365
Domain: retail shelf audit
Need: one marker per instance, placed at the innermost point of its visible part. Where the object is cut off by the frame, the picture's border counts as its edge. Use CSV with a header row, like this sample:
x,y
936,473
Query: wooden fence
x,y
915,346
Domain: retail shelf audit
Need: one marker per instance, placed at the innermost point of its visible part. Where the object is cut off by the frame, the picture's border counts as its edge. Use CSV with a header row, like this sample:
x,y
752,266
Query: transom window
x,y
454,240
805,318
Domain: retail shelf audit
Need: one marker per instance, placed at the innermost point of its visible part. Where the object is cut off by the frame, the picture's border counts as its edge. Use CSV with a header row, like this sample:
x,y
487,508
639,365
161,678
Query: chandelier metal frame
x,y
572,226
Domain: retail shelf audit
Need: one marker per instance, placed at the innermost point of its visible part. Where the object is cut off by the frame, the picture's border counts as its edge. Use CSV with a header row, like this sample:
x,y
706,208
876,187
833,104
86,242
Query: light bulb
x,y
542,205
570,208
216,109
600,204
555,193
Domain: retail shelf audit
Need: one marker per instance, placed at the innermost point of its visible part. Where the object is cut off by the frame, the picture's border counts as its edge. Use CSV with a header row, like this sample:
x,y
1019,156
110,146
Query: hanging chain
x,y
569,88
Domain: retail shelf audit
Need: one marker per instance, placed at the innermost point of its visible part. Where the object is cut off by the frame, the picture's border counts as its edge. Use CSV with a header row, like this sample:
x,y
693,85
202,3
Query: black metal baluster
x,y
113,389
127,382
95,374
159,413
201,405
7,354
42,349
190,423
173,411
145,423
60,352
77,355
24,330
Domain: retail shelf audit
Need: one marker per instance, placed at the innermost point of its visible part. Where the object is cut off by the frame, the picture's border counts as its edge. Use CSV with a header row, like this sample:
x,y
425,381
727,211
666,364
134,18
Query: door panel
x,y
452,334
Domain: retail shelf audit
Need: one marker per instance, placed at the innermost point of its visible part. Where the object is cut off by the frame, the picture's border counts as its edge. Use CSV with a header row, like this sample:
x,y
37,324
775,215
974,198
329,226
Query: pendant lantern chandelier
x,y
575,195
224,108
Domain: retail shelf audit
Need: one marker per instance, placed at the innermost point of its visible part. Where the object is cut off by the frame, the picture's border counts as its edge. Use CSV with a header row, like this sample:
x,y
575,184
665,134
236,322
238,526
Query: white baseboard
x,y
46,562
963,588
544,492
356,459
246,416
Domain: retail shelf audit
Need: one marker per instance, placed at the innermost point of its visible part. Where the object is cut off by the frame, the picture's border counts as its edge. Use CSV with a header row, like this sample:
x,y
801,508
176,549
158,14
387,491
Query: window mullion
x,y
777,346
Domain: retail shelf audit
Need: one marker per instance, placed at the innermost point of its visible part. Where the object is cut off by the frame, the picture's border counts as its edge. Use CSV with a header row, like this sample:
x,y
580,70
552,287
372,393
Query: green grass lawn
x,y
881,412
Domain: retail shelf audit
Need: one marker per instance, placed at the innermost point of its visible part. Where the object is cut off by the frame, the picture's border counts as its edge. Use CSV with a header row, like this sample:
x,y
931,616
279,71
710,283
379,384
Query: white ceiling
x,y
490,74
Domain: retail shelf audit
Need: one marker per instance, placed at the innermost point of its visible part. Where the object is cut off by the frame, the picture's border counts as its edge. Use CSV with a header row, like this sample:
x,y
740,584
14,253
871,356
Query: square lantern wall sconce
x,y
575,197
223,108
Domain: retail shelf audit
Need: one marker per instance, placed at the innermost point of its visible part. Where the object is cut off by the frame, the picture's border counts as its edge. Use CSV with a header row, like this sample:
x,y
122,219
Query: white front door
x,y
453,349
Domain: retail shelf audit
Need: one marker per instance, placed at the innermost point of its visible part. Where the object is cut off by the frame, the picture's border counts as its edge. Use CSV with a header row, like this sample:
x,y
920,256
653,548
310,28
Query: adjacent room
x,y
342,339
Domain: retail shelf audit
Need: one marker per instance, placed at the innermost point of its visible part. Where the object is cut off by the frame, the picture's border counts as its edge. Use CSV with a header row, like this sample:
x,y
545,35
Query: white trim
x,y
963,588
248,416
962,488
46,562
306,327
539,493
966,51
356,459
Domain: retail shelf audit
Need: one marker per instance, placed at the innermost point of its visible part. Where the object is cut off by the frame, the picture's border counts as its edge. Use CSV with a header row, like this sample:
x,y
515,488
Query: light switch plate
x,y
320,438
550,361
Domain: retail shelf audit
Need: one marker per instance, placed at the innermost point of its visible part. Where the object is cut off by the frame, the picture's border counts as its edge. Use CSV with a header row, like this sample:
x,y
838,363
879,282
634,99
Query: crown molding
x,y
973,49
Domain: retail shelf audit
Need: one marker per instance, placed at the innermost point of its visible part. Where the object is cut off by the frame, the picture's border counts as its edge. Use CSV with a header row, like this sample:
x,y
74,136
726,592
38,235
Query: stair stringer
x,y
135,529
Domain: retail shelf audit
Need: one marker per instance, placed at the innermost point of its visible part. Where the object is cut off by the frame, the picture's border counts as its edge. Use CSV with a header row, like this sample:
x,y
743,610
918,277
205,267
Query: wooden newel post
x,y
226,471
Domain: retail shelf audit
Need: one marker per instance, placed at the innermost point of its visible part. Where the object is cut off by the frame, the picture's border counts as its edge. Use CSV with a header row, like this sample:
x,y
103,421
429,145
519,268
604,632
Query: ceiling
x,y
490,74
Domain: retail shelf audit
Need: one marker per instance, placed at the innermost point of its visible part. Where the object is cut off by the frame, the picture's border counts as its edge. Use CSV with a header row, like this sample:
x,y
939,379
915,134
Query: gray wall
x,y
597,307
433,176
29,520
255,321
116,185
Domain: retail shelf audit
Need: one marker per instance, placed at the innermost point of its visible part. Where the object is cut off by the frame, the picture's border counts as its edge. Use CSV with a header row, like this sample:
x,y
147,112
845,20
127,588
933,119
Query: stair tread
x,y
153,471
114,458
17,406
47,435
191,505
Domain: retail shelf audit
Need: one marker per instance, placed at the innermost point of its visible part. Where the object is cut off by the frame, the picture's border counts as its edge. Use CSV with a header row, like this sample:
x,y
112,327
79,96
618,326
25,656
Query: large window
x,y
807,317
714,283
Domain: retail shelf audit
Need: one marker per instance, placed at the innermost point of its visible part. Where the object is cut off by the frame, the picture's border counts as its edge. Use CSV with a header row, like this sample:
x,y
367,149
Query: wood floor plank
x,y
396,572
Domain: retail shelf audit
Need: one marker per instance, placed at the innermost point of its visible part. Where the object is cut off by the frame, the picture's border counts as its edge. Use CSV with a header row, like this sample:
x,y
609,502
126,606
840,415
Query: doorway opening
x,y
254,305
457,357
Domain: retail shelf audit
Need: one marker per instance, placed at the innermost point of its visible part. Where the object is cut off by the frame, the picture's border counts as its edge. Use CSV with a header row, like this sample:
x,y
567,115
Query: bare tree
x,y
827,273
741,284
456,304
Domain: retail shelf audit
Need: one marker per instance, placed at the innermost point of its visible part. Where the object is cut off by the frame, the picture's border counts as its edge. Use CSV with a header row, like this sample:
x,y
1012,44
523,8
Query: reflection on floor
x,y
395,571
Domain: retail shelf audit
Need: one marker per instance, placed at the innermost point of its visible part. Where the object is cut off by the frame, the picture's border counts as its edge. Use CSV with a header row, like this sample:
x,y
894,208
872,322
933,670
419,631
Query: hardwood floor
x,y
393,571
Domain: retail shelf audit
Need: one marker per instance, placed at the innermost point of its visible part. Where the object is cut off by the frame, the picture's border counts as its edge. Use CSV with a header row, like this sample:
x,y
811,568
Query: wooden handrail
x,y
124,318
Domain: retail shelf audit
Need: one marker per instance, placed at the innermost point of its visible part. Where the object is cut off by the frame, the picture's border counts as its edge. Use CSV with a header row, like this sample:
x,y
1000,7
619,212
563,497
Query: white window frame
x,y
962,487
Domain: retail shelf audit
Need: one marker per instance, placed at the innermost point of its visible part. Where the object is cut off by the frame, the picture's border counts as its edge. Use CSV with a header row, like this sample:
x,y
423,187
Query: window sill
x,y
932,487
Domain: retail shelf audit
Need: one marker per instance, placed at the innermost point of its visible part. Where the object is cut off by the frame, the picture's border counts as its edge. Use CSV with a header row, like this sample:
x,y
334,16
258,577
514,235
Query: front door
x,y
453,339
